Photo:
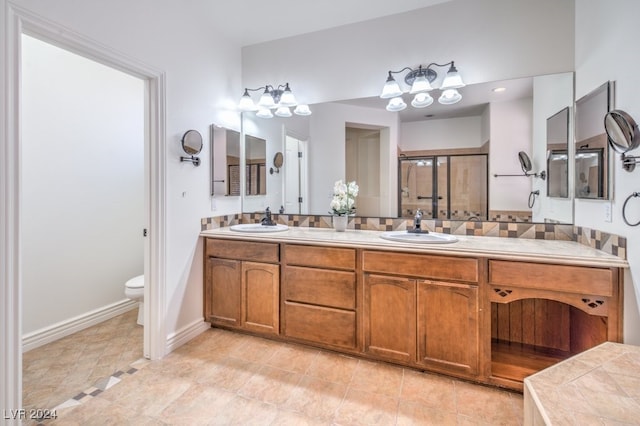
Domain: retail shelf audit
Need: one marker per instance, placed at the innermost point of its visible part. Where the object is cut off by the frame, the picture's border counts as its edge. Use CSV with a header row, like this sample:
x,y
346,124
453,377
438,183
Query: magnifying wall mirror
x,y
192,145
278,160
623,136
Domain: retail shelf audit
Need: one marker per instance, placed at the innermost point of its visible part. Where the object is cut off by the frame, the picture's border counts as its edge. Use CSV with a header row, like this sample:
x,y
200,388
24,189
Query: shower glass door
x,y
416,187
444,187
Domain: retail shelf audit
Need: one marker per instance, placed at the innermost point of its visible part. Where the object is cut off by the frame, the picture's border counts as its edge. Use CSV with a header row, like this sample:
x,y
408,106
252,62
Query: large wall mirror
x,y
592,159
225,161
493,125
558,154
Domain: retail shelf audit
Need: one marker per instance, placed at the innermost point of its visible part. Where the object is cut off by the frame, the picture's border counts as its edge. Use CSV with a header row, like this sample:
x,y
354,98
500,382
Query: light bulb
x,y
283,111
302,109
452,80
246,103
450,97
396,104
421,100
391,88
287,99
266,100
264,113
420,84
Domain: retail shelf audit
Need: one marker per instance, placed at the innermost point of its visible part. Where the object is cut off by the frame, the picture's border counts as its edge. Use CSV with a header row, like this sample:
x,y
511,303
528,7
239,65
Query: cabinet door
x,y
448,326
390,317
223,291
261,297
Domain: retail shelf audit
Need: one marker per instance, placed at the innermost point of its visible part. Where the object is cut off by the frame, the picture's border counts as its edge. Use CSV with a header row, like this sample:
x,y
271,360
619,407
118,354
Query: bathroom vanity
x,y
491,310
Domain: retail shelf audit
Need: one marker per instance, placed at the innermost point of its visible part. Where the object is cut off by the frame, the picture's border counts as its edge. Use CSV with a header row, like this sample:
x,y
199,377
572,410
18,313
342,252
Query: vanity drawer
x,y
565,278
421,265
320,287
320,257
333,327
243,250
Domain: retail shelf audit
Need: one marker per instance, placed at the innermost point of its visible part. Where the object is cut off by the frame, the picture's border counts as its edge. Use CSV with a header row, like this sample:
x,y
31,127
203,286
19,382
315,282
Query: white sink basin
x,y
258,227
423,238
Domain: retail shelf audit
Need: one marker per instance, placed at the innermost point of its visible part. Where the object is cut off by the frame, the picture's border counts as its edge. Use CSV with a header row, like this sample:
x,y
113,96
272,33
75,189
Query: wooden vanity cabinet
x,y
390,317
242,285
543,313
448,326
416,312
493,321
319,296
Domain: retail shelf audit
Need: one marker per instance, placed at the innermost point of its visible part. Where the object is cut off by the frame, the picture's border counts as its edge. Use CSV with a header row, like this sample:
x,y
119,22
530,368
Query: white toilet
x,y
134,290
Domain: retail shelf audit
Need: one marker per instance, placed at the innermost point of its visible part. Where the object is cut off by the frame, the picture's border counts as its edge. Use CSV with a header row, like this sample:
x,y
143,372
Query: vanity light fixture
x,y
279,98
419,80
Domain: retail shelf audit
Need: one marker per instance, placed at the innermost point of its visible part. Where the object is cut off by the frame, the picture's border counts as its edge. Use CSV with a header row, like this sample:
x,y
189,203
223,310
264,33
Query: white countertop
x,y
563,252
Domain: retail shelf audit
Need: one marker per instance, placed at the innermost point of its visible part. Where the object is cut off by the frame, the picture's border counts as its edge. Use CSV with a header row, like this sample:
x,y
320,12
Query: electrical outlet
x,y
607,211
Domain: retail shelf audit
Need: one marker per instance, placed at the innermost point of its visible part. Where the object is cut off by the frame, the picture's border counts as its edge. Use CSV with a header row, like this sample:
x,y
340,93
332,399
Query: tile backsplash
x,y
609,243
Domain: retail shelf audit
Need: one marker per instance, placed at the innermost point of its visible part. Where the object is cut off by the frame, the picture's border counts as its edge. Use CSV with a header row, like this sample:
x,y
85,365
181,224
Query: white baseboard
x,y
182,336
64,328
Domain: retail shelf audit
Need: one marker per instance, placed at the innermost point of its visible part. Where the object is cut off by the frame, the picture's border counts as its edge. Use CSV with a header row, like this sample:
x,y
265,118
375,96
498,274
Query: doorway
x,y
362,159
295,176
20,22
83,197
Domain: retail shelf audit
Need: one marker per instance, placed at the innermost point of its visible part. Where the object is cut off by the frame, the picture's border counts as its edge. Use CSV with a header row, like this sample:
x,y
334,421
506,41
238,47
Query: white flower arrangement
x,y
344,198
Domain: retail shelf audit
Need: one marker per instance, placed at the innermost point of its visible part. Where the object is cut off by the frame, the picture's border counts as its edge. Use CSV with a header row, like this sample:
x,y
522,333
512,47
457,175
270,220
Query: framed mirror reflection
x,y
558,154
225,161
592,158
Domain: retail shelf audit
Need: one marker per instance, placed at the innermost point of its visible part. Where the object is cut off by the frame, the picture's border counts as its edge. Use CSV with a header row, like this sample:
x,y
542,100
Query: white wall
x,y
450,133
488,40
82,184
601,42
551,93
510,133
202,85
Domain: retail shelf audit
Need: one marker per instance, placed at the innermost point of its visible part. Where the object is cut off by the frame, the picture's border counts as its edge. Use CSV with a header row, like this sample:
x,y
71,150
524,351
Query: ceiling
x,y
255,21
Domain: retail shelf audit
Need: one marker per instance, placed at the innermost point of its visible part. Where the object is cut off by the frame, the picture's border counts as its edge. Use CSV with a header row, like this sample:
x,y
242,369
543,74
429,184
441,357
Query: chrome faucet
x,y
267,221
417,222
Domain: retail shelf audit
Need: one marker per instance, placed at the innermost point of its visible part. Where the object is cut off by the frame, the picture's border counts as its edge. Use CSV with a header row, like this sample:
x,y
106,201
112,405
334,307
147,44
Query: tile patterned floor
x,y
60,370
225,378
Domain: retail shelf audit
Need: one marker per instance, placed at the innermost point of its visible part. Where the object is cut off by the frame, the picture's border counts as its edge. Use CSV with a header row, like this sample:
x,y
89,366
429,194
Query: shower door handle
x,y
422,197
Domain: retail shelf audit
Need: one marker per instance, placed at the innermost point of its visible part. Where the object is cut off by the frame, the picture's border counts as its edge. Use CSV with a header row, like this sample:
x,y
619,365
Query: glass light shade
x,y
420,84
246,103
421,100
266,100
391,89
452,80
283,111
396,104
264,113
302,109
287,99
450,97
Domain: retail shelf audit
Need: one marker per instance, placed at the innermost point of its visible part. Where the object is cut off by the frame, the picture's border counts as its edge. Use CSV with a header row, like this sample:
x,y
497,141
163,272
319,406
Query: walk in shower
x,y
444,186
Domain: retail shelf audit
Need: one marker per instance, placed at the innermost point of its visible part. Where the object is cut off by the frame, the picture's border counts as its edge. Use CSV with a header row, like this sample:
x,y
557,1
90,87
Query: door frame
x,y
19,21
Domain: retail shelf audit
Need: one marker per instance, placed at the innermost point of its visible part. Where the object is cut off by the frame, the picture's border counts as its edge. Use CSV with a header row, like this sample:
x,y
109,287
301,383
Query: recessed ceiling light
x,y
500,89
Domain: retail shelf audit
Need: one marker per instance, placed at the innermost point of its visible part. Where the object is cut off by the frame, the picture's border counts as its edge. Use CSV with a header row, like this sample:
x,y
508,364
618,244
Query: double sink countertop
x,y
521,249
